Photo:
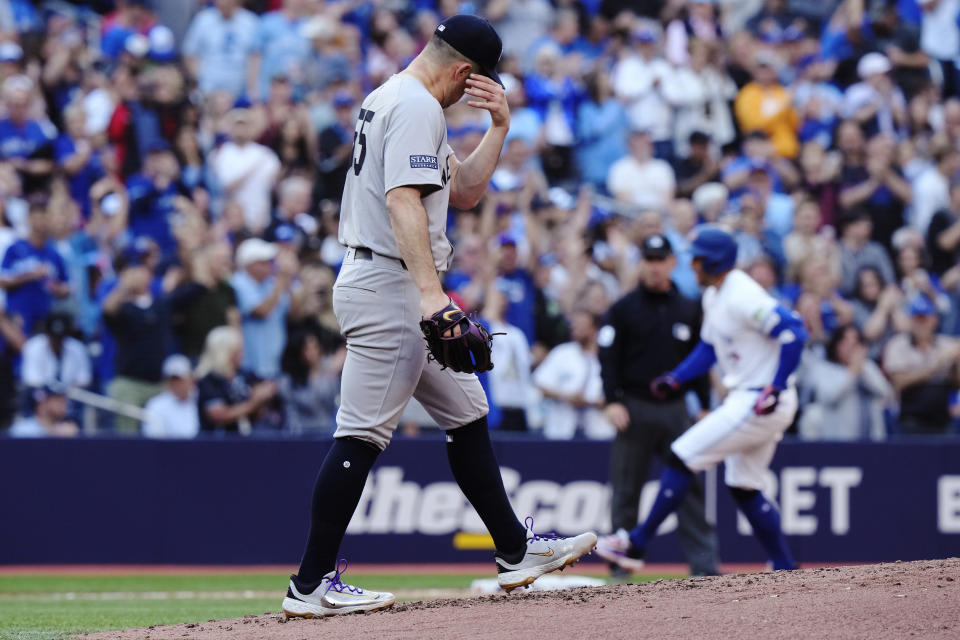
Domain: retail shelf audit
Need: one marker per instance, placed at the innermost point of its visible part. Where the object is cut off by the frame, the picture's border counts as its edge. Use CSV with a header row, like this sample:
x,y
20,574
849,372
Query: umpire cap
x,y
656,247
476,39
716,248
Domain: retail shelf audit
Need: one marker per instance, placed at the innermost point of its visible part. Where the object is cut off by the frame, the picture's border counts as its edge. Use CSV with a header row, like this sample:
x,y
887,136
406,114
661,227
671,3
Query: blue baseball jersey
x,y
80,182
21,141
32,300
521,296
152,212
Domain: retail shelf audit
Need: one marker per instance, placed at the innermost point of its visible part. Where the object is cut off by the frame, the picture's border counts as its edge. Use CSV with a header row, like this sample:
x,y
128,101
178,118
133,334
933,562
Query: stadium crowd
x,y
170,177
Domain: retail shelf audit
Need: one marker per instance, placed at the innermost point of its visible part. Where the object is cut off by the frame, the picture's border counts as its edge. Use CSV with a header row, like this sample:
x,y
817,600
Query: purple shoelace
x,y
550,535
338,585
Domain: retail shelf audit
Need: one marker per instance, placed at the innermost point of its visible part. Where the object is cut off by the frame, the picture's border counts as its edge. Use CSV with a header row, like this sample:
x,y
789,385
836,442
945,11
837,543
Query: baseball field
x,y
919,599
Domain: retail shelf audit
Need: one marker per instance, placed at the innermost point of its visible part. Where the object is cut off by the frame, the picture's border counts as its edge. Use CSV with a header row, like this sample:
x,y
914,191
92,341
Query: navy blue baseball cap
x,y
717,249
285,233
476,39
921,306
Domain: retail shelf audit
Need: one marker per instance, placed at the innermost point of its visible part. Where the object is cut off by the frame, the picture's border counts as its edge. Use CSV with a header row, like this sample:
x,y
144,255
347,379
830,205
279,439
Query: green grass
x,y
28,613
58,620
256,582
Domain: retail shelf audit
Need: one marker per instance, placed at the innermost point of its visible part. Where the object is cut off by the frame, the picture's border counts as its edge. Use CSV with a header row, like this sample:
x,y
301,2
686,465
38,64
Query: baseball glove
x,y
468,352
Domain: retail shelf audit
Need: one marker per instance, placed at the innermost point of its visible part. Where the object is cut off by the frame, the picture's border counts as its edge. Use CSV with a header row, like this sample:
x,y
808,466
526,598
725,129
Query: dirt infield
x,y
899,600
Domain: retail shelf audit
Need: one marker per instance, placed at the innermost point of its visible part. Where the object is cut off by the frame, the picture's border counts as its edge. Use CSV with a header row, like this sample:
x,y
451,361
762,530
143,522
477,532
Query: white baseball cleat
x,y
616,548
332,597
545,552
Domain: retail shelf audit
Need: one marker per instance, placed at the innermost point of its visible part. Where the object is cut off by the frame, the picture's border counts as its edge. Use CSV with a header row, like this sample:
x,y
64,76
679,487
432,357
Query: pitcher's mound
x,y
872,601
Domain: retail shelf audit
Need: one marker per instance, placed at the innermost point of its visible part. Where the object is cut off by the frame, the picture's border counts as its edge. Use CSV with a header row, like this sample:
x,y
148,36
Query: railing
x,y
94,401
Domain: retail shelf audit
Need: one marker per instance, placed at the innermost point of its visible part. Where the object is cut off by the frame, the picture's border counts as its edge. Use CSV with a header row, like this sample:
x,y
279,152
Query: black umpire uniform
x,y
645,334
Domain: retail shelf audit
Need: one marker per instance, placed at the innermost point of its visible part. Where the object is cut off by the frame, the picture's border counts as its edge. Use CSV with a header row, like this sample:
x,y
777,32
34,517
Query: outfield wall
x,y
246,501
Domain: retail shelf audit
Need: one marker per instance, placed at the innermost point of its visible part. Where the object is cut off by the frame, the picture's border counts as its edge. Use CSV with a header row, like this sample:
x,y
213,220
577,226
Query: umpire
x,y
650,330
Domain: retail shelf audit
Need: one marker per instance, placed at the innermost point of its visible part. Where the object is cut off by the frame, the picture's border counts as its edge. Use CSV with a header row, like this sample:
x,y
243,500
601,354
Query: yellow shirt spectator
x,y
767,106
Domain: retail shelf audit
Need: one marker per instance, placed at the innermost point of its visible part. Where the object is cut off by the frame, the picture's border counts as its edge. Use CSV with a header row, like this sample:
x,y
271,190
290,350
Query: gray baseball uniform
x,y
400,140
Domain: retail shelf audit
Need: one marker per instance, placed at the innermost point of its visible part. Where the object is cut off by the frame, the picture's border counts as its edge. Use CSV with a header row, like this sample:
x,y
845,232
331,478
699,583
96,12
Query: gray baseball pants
x,y
377,306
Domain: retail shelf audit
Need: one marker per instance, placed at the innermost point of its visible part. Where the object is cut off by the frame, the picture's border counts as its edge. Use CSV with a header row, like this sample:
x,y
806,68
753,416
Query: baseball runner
x,y
757,345
388,299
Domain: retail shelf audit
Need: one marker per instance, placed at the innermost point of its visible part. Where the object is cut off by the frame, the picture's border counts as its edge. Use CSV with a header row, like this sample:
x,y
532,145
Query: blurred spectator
x,y
754,240
11,57
639,178
777,208
683,218
173,413
564,36
205,300
79,157
391,47
697,166
229,399
931,188
54,356
510,384
25,142
327,62
940,38
49,418
519,22
140,322
807,239
943,237
877,309
758,153
286,126
554,95
220,47
263,299
525,123
311,308
858,251
700,92
816,100
14,207
292,222
697,20
281,47
871,178
247,171
335,146
915,280
569,378
12,341
922,366
601,130
310,386
33,273
516,284
774,16
130,18
848,391
764,105
820,304
876,103
154,197
638,78
820,174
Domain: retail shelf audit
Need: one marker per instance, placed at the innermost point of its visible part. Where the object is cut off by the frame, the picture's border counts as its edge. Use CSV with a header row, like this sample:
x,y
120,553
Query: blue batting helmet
x,y
717,248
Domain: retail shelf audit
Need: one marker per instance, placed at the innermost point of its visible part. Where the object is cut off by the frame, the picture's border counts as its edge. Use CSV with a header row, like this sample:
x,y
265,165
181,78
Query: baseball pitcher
x,y
392,309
